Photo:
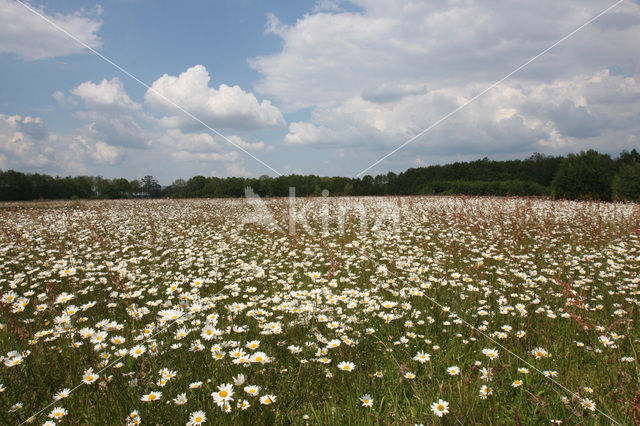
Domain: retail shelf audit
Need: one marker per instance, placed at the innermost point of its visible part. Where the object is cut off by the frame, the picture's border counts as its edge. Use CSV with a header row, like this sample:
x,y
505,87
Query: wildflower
x,y
133,416
239,380
252,390
540,353
57,413
378,374
409,375
422,357
195,385
516,383
13,361
181,399
485,391
440,408
267,399
333,343
486,374
259,357
294,349
209,332
64,393
453,371
137,350
346,366
253,344
243,405
367,401
491,353
152,396
224,394
588,404
89,376
197,418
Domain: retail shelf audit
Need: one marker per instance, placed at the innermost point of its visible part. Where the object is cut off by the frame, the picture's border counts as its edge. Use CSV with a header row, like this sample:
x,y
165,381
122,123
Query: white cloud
x,y
236,170
205,142
31,37
205,156
109,95
249,146
98,152
25,143
112,115
562,116
224,107
374,78
327,6
21,141
175,139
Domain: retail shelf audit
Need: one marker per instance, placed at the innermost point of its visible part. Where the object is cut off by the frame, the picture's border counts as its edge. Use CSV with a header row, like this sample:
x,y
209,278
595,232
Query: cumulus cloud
x,y
108,95
329,56
204,142
376,77
236,169
327,6
30,37
562,116
224,107
249,146
22,141
99,152
26,143
112,115
205,156
175,139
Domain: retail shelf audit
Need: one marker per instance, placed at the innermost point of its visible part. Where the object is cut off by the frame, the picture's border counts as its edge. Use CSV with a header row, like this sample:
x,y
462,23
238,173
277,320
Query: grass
x,y
387,278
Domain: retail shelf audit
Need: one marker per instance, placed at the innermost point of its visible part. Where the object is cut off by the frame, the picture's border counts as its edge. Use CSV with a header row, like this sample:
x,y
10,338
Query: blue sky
x,y
325,87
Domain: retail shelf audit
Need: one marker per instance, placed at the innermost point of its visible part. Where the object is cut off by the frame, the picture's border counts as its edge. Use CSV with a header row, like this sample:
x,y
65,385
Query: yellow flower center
x,y
152,396
440,407
223,393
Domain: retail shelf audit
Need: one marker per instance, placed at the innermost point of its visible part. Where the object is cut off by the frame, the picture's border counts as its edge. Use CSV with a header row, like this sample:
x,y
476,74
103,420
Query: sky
x,y
326,87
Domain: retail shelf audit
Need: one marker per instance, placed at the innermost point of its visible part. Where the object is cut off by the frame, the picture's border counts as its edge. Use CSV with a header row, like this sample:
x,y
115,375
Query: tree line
x,y
588,174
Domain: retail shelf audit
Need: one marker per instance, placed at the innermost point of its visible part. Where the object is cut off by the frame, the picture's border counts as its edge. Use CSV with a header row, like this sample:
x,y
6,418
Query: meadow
x,y
376,310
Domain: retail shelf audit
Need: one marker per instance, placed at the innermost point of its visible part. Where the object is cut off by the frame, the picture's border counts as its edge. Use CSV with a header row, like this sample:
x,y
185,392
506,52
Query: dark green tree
x,y
585,175
150,186
15,186
626,184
